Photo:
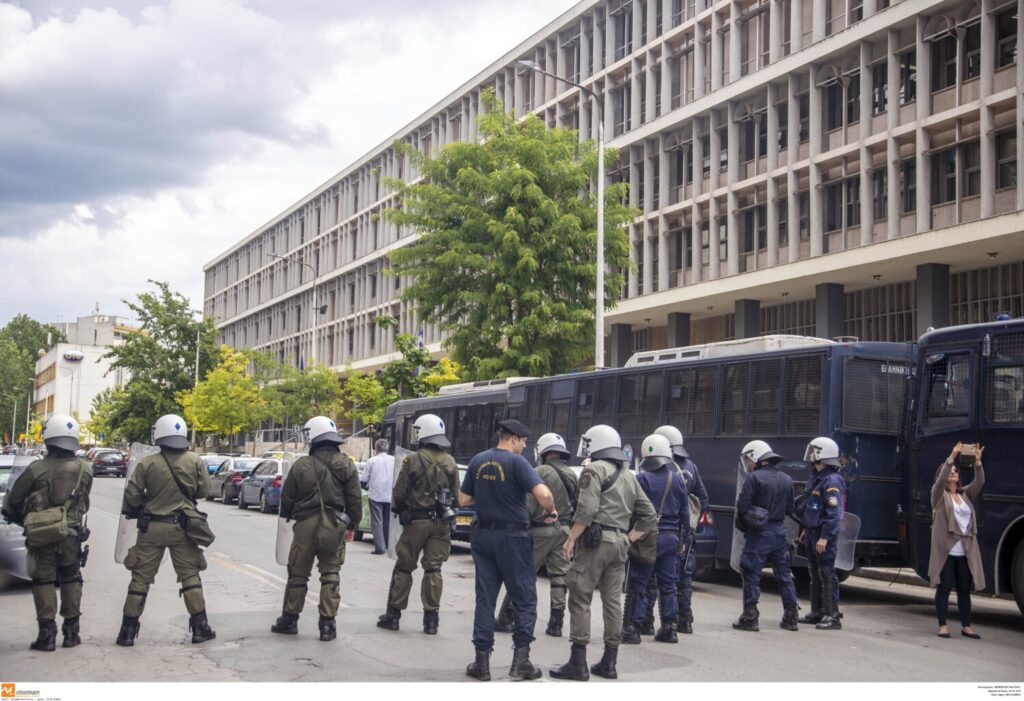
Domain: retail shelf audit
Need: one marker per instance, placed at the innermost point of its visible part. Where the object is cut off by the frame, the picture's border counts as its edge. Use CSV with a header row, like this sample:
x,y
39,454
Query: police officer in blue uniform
x,y
770,489
497,482
698,498
820,516
663,485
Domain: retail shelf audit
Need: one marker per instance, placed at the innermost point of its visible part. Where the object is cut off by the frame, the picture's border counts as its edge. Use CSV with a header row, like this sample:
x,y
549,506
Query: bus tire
x,y
1017,576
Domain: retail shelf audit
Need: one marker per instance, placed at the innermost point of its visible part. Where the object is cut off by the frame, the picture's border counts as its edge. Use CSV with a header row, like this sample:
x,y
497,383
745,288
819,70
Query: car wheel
x,y
241,500
209,497
224,495
1017,576
357,536
265,507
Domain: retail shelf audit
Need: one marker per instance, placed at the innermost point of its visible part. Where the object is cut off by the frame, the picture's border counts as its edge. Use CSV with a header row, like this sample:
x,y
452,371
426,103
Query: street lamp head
x,y
531,65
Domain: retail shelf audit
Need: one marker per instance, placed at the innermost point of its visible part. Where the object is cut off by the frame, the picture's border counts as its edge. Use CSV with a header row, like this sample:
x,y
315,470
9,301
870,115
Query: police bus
x,y
970,388
784,389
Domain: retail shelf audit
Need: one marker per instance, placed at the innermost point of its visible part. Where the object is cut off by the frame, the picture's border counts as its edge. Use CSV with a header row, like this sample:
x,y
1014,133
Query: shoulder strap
x,y
181,487
664,496
610,482
570,492
319,489
78,483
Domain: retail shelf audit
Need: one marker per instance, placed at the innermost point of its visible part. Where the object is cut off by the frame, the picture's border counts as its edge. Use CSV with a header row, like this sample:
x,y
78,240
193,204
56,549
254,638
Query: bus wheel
x,y
1017,576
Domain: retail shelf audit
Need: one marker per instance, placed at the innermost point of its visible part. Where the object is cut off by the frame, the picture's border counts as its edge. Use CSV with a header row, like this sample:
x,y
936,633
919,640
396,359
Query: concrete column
x,y
609,40
870,8
652,20
620,345
733,234
924,179
666,16
638,21
664,173
829,310
775,31
698,61
732,166
988,48
664,257
554,62
736,31
666,79
717,77
714,238
648,253
698,157
599,36
652,89
792,121
814,114
538,81
635,96
796,26
987,140
815,211
932,293
818,14
771,98
716,148
609,117
585,51
748,318
793,215
866,88
696,265
773,222
678,330
867,200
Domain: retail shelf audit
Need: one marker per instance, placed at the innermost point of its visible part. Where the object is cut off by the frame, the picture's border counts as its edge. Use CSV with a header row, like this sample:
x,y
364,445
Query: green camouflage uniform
x,y
548,539
152,489
318,533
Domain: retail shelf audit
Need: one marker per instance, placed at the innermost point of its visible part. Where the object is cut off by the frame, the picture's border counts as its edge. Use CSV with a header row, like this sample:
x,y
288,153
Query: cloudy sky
x,y
140,139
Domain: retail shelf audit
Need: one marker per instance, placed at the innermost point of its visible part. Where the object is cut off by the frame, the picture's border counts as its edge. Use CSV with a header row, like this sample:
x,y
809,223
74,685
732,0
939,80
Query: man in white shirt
x,y
379,481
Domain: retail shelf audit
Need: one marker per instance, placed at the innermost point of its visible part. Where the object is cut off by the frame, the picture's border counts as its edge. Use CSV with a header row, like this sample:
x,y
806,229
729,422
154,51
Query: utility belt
x,y
613,529
410,515
542,524
146,519
499,525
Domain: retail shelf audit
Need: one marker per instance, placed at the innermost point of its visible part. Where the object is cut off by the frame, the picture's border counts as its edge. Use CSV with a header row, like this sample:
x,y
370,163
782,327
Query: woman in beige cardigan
x,y
955,557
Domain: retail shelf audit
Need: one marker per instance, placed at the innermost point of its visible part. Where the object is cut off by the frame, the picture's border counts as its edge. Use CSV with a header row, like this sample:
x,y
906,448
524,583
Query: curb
x,y
891,575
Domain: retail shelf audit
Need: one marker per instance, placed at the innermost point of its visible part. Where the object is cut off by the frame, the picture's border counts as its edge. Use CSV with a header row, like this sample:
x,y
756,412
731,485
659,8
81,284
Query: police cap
x,y
514,427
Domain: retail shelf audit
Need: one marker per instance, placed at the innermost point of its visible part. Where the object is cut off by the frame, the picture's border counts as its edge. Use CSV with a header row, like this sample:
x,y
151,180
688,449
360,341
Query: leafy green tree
x,y
505,262
316,391
227,401
367,398
20,342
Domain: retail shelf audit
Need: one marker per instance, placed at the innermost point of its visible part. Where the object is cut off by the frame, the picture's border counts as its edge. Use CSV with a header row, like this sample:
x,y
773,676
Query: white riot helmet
x,y
429,430
551,443
822,449
759,451
170,431
321,429
655,451
675,439
61,431
601,442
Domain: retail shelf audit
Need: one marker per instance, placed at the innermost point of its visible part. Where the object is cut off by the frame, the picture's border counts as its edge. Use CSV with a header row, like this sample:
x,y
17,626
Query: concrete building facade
x,y
824,167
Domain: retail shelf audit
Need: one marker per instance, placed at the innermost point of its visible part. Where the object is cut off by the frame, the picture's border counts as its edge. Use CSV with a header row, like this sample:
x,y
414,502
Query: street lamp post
x,y
599,292
14,420
195,379
316,309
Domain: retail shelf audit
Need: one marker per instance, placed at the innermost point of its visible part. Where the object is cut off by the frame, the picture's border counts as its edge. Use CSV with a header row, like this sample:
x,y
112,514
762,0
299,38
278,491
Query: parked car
x,y
13,554
106,461
226,482
212,461
262,486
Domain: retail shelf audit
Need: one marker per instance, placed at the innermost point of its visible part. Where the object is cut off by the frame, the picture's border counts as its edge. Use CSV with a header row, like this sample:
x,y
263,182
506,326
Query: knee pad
x,y
434,571
188,587
556,585
45,582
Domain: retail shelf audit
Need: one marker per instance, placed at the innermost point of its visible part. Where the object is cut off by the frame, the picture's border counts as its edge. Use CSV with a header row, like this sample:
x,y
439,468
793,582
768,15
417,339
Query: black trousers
x,y
956,573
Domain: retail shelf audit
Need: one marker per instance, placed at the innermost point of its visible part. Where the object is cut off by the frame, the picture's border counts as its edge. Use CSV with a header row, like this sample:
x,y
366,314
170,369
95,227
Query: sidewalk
x,y
900,575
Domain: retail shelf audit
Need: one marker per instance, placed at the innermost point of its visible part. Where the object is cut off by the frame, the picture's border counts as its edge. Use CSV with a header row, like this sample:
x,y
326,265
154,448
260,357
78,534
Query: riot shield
x,y
128,529
395,529
284,526
849,529
738,539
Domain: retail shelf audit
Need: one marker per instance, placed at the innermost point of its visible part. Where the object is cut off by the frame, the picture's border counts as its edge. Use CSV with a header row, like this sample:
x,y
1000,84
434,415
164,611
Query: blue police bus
x,y
783,389
970,387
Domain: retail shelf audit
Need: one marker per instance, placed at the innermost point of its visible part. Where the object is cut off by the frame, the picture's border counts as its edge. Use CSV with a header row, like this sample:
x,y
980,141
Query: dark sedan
x,y
109,462
227,480
262,486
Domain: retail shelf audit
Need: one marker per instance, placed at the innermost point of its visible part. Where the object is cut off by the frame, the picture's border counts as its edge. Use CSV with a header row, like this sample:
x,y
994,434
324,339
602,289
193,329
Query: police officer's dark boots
x,y
748,619
286,624
555,623
480,668
47,640
200,627
576,668
817,611
522,668
129,629
684,623
503,623
430,620
789,619
667,633
647,625
328,628
630,633
70,632
811,617
831,618
606,667
389,621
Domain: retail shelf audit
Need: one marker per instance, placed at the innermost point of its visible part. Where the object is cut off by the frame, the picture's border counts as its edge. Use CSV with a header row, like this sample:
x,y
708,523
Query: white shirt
x,y
962,513
379,475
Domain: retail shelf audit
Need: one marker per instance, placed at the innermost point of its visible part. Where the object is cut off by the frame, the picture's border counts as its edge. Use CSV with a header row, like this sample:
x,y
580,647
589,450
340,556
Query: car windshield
x,y
213,460
249,464
108,454
5,475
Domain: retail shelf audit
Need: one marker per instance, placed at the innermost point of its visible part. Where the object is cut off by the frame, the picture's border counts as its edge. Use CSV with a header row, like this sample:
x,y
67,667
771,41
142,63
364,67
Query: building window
x,y
1006,38
972,169
782,209
805,115
908,77
971,51
622,17
880,187
804,200
853,99
755,229
1006,159
943,62
705,149
908,185
620,109
833,106
705,244
944,176
782,109
852,192
723,151
879,88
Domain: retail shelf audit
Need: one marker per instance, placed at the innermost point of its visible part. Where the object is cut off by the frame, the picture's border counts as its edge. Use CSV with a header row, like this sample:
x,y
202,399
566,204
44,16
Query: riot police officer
x,y
59,479
321,492
766,490
663,485
497,482
157,493
423,498
820,516
548,538
609,497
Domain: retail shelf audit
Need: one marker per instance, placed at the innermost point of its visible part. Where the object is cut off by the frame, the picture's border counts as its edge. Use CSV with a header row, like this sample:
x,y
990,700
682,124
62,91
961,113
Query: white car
x,y
13,555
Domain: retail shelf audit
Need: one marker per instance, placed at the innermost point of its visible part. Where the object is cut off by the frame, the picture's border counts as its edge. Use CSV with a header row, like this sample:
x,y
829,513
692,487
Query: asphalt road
x,y
888,634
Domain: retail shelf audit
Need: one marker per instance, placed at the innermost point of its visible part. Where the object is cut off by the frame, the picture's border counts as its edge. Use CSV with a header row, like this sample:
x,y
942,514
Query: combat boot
x,y
812,617
129,630
555,623
829,623
606,667
789,619
328,628
430,619
748,620
503,623
684,623
630,633
70,632
47,640
667,633
576,668
286,624
647,625
389,621
522,669
480,668
200,627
